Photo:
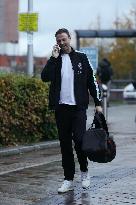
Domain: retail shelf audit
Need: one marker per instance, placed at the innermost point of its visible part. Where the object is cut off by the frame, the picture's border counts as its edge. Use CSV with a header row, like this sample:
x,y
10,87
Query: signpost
x,y
28,22
92,54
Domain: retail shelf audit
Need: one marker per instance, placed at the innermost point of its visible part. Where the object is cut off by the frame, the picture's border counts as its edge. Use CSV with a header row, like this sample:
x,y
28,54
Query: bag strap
x,y
97,116
98,119
100,122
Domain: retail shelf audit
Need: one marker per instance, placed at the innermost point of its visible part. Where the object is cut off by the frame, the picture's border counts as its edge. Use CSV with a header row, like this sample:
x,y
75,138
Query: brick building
x,y
9,21
19,63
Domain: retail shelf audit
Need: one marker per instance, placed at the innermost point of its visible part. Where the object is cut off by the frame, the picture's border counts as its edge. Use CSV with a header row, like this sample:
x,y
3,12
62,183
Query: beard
x,y
65,49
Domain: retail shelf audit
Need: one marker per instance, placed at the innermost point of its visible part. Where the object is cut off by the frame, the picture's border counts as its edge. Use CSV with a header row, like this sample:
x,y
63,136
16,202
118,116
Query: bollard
x,y
104,96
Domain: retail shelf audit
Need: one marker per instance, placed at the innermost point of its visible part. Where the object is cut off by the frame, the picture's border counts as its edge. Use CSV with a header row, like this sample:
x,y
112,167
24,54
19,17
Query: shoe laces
x,y
65,183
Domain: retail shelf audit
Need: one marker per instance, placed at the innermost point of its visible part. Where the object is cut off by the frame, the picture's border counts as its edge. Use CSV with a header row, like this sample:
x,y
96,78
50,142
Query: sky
x,y
71,14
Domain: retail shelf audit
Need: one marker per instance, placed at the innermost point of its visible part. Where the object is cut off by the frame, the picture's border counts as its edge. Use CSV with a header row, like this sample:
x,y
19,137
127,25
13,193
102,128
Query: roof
x,y
105,33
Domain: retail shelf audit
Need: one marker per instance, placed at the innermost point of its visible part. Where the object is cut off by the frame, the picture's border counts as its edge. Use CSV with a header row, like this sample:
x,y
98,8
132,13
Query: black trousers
x,y
71,124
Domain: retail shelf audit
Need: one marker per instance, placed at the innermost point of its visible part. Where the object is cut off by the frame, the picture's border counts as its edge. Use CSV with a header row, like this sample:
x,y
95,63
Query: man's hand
x,y
98,108
56,50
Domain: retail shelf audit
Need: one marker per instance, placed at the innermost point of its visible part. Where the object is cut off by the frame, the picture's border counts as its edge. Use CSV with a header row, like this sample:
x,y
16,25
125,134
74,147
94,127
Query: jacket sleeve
x,y
48,73
91,83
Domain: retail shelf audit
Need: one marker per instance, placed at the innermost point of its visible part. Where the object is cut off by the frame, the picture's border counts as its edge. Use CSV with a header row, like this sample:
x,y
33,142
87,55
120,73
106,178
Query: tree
x,y
122,51
122,58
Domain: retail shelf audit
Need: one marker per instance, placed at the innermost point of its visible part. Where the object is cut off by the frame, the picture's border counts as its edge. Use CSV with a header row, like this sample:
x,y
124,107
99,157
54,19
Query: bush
x,y
24,113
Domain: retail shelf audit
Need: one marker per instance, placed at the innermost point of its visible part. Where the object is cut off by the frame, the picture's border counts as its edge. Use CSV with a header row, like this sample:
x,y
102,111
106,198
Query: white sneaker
x,y
85,179
66,186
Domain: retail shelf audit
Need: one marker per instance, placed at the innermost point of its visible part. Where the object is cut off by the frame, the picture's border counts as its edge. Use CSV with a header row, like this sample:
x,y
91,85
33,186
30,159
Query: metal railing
x,y
104,97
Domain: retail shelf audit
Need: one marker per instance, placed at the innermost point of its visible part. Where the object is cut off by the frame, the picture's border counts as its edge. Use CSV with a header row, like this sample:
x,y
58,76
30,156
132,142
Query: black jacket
x,y
84,80
104,71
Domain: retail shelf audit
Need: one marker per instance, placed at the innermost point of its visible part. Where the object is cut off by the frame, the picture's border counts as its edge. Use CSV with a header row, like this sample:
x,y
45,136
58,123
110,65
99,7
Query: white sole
x,y
60,192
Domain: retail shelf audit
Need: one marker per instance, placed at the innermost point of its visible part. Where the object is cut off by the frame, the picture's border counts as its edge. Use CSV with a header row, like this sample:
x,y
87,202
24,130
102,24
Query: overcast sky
x,y
72,14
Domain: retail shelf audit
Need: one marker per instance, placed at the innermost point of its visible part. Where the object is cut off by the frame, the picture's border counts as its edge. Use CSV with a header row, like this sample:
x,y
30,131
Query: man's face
x,y
63,40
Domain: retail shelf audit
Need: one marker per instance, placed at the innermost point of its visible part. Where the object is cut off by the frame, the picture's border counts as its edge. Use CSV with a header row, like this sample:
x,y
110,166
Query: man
x,y
71,77
104,73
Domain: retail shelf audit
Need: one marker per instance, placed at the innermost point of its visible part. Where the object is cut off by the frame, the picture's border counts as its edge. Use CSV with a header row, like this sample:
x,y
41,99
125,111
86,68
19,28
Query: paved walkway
x,y
112,183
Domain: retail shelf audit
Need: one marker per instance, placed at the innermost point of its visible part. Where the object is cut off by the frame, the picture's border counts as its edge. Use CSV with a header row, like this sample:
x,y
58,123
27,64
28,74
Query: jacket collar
x,y
72,51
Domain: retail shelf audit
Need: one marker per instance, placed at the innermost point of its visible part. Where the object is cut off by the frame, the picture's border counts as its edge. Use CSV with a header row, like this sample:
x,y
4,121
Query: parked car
x,y
129,92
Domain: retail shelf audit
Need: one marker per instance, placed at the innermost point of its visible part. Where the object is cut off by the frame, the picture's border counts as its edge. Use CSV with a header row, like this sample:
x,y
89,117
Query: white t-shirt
x,y
67,82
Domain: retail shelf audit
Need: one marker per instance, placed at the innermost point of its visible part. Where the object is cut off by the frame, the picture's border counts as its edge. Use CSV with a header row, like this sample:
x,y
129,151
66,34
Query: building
x,y
7,63
9,21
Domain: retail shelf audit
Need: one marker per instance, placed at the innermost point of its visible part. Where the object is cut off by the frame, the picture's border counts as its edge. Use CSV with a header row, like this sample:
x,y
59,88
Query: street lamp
x,y
30,44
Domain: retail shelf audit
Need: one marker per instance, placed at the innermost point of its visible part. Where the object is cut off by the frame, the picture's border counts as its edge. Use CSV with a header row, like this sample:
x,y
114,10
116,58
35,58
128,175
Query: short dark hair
x,y
62,30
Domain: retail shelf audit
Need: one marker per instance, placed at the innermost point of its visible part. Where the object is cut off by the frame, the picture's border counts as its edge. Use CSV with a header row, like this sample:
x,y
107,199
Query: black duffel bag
x,y
97,144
